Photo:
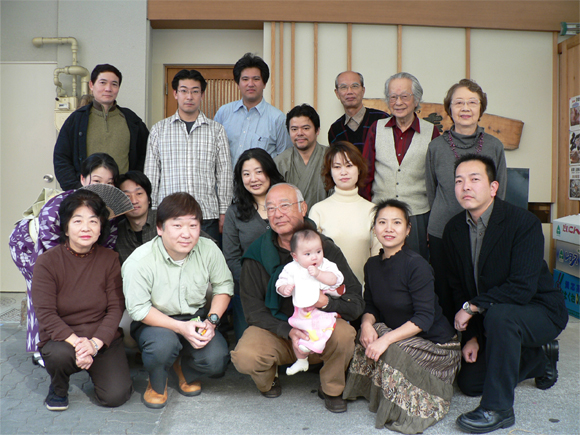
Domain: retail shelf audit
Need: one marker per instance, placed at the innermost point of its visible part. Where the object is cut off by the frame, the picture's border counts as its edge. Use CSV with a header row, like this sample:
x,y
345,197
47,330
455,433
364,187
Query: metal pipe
x,y
39,42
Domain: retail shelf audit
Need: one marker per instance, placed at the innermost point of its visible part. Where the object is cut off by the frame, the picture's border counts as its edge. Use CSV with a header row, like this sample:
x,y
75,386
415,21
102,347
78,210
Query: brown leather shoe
x,y
333,403
185,388
275,391
152,399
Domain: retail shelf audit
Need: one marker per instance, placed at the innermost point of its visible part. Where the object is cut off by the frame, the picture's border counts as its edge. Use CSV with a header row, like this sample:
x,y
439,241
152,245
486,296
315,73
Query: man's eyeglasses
x,y
405,98
284,208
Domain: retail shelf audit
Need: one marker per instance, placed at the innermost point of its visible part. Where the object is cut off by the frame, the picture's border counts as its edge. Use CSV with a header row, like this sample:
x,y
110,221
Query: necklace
x,y
452,144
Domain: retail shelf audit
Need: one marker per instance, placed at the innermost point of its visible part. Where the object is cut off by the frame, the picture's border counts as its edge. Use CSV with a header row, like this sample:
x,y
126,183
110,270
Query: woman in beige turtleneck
x,y
346,217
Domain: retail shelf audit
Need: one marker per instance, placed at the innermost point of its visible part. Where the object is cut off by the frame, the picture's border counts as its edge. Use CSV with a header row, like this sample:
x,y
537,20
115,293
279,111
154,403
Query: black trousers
x,y
442,289
109,371
511,352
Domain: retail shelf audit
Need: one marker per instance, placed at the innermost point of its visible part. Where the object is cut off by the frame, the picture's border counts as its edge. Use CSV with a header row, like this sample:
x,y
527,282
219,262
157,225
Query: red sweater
x,y
78,295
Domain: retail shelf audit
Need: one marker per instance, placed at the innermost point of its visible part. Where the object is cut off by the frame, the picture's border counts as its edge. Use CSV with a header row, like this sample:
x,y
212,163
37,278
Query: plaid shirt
x,y
194,163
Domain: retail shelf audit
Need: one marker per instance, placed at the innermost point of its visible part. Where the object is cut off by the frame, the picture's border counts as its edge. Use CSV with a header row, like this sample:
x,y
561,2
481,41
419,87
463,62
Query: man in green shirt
x,y
165,282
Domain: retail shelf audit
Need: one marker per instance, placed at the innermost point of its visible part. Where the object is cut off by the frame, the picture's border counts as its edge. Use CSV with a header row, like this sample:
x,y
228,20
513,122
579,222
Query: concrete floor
x,y
232,404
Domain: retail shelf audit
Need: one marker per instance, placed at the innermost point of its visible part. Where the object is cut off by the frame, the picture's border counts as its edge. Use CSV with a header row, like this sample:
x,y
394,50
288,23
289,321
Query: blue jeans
x,y
160,347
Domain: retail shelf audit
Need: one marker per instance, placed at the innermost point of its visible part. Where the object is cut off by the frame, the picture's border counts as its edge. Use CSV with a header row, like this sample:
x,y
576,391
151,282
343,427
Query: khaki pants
x,y
260,352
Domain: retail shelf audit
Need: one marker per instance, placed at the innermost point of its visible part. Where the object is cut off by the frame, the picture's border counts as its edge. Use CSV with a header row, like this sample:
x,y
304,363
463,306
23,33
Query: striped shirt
x,y
194,162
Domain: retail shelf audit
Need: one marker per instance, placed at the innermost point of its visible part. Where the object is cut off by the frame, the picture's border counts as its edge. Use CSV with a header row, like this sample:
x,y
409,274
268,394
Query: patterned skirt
x,y
411,385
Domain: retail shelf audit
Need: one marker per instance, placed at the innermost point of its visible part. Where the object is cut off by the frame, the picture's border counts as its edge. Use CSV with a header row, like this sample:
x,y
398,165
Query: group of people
x,y
368,255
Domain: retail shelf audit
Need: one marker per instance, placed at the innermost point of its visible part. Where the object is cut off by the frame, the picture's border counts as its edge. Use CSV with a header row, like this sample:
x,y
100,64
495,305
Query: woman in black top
x,y
407,354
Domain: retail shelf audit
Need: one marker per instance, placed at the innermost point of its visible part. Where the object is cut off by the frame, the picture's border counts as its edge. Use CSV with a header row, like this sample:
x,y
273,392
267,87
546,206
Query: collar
x,y
260,107
415,125
358,116
484,218
201,119
346,195
158,242
99,106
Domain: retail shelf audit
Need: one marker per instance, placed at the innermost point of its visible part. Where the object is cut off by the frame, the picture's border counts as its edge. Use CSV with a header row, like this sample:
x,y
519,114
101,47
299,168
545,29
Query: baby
x,y
303,279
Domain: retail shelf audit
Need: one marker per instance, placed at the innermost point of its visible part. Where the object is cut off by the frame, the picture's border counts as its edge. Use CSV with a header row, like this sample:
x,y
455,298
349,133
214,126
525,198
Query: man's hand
x,y
197,333
462,318
368,334
286,289
297,334
221,222
470,350
313,271
323,300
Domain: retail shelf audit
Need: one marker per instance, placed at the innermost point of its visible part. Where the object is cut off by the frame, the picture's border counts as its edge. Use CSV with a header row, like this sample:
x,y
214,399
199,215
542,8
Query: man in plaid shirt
x,y
188,152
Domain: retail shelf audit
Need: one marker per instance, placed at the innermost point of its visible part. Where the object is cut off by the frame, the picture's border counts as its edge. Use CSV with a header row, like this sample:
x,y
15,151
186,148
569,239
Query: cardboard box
x,y
567,229
568,258
569,285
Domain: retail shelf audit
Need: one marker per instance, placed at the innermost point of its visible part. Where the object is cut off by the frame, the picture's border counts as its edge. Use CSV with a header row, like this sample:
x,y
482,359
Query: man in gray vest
x,y
395,150
301,165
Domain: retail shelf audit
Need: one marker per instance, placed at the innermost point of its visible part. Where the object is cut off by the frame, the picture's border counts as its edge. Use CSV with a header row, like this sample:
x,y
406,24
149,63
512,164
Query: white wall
x,y
107,32
514,68
195,47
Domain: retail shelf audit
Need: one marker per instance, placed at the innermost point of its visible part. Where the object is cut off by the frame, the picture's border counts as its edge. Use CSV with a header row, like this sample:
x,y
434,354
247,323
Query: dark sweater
x,y
254,284
400,289
339,131
78,295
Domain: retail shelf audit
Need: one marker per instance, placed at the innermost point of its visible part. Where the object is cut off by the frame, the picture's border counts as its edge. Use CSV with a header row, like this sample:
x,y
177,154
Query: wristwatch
x,y
213,318
467,309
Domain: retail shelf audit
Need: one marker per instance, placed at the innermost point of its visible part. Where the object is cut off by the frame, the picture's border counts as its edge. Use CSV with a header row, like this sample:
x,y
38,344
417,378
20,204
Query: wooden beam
x,y
541,15
554,192
349,47
468,53
315,81
399,49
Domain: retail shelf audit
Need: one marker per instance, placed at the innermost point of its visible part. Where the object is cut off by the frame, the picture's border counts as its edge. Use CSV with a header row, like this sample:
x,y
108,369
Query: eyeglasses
x,y
405,98
471,103
354,87
284,208
185,92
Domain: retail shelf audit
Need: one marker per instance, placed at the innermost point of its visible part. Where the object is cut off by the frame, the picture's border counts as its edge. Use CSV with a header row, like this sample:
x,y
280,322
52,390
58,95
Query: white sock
x,y
301,365
304,348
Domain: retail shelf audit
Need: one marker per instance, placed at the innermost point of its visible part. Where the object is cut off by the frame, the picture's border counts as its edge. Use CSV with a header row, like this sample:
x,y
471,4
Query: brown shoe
x,y
275,391
333,403
152,399
185,388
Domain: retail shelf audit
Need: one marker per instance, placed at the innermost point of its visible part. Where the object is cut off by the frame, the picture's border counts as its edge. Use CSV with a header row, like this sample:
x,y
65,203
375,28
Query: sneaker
x,y
55,402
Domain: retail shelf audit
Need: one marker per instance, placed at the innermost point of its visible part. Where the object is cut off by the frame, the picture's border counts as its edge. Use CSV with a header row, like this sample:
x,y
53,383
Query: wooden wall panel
x,y
542,15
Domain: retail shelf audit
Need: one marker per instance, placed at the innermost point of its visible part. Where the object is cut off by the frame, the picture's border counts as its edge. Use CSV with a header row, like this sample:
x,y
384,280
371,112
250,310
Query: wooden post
x,y
292,65
281,68
467,53
273,64
349,46
399,48
315,81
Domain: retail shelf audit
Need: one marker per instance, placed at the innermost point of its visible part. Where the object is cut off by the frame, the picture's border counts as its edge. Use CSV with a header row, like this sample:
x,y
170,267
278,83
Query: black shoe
x,y
333,403
482,420
54,402
275,391
550,376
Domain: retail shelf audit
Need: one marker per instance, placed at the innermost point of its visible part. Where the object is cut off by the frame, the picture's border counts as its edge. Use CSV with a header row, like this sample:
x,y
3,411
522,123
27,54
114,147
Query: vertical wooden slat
x,y
467,53
554,192
399,48
349,46
315,81
281,68
292,65
273,64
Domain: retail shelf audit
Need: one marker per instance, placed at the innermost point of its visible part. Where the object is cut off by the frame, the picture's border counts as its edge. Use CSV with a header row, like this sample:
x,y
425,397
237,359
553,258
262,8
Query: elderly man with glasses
x,y
353,126
267,343
395,150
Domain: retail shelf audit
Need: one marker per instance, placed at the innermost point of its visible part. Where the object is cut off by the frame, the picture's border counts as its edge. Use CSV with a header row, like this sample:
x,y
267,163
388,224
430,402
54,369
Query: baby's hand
x,y
313,271
286,289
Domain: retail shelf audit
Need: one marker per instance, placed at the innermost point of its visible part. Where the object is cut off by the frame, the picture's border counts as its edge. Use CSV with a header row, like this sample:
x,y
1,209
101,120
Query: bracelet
x,y
95,345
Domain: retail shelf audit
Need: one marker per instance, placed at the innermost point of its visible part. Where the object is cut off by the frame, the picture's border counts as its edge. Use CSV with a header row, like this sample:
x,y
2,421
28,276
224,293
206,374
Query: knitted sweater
x,y
406,181
346,217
